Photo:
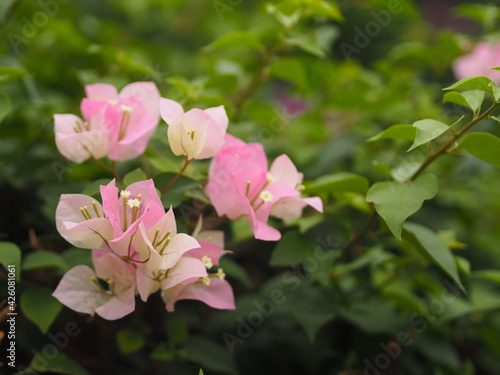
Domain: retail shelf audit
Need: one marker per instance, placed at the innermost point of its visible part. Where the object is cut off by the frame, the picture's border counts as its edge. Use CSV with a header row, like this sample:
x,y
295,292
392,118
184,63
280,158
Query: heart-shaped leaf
x,y
396,201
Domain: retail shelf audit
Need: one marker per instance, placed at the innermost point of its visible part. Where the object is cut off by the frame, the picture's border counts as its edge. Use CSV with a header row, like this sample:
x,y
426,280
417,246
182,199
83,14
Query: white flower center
x,y
134,202
207,261
266,196
125,193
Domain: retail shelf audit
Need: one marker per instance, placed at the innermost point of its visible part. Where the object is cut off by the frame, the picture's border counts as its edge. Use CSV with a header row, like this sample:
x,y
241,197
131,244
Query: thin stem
x,y
177,175
112,170
257,79
444,148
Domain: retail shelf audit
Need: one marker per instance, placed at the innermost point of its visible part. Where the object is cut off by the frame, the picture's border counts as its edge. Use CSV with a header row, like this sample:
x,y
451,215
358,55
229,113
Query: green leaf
x,y
177,330
163,353
485,14
129,340
236,39
372,315
5,105
9,72
10,254
175,193
290,69
43,259
490,275
234,270
472,83
38,305
5,9
472,99
94,188
135,176
287,13
75,257
339,183
484,146
60,364
292,249
201,372
406,132
427,130
308,43
321,8
164,164
311,307
210,355
495,89
463,265
395,201
432,248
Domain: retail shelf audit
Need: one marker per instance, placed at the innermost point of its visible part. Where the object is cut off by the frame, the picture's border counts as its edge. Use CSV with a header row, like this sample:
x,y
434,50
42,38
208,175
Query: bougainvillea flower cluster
x,y
136,247
137,250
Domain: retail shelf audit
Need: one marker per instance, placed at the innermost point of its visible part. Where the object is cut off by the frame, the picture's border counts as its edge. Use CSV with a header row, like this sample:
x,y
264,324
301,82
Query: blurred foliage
x,y
317,302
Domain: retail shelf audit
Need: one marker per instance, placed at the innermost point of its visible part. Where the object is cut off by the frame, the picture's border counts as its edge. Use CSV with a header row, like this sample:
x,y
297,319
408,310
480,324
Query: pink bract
x,y
240,184
478,62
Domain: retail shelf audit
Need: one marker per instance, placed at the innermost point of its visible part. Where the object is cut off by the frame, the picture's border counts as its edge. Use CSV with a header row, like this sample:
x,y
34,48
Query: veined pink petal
x,y
211,139
109,194
224,194
147,93
145,283
77,291
101,91
123,244
82,146
220,117
75,228
186,268
283,170
170,111
135,141
118,306
65,123
175,133
290,208
180,244
112,267
75,142
149,195
89,234
214,236
315,202
90,107
232,141
209,249
218,295
261,230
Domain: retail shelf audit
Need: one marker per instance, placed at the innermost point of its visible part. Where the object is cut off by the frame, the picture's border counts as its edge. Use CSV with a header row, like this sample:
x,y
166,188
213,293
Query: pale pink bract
x,y
80,290
117,125
478,62
240,184
198,134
